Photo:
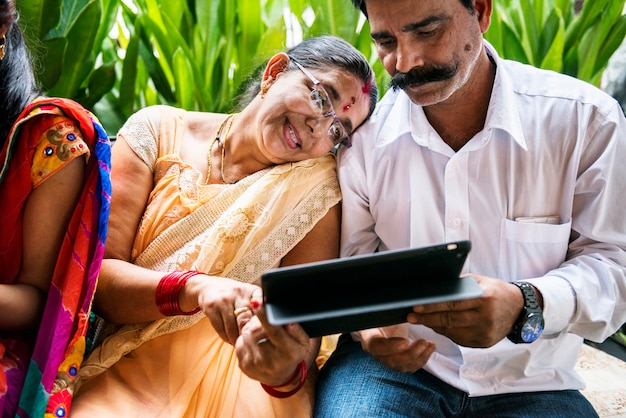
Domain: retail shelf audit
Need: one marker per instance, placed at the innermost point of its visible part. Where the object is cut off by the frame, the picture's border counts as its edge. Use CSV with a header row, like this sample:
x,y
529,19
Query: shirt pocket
x,y
529,249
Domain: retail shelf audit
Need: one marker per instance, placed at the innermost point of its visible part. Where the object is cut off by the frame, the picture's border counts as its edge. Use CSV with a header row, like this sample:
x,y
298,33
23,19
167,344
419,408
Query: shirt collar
x,y
503,113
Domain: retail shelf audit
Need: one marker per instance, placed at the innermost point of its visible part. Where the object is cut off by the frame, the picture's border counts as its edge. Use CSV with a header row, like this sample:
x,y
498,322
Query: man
x,y
529,166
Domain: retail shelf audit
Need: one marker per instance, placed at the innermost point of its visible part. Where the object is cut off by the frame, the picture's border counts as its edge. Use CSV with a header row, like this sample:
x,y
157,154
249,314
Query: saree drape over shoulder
x,y
178,366
39,371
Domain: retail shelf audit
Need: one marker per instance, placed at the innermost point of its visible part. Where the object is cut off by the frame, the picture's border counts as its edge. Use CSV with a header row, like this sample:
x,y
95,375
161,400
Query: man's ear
x,y
483,9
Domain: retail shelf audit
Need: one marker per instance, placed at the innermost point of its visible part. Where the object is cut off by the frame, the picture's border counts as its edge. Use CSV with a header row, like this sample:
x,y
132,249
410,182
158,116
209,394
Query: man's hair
x,y
361,5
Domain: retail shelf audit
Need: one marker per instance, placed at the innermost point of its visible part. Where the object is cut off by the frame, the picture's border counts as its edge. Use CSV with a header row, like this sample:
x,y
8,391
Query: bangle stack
x,y
300,370
168,292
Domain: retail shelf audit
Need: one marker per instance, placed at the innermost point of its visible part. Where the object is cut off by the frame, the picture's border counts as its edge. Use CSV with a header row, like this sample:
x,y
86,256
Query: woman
x,y
54,186
203,204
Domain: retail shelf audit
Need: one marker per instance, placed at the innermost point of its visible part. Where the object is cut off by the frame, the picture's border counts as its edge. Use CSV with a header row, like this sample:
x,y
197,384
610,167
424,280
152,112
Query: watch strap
x,y
531,305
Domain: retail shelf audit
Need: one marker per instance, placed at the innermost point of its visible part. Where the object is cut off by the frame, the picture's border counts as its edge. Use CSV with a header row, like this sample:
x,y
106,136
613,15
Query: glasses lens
x,y
338,134
321,101
335,133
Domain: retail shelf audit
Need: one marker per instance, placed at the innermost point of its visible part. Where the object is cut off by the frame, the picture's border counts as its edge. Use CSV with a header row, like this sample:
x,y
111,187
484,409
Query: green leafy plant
x,y
551,34
116,56
196,54
66,37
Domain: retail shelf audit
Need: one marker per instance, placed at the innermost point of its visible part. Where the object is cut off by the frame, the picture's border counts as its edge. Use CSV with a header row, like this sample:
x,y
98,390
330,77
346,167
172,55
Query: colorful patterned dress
x,y
37,372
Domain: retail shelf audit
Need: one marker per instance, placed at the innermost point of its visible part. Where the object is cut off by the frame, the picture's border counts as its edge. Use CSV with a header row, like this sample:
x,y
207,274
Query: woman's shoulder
x,y
155,117
147,131
152,115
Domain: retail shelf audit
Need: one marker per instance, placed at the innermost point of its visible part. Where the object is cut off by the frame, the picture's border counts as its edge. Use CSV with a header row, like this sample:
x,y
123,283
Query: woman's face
x,y
293,125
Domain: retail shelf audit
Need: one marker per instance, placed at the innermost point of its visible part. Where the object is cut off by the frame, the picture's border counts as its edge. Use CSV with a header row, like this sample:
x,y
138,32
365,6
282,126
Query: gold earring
x,y
265,86
3,42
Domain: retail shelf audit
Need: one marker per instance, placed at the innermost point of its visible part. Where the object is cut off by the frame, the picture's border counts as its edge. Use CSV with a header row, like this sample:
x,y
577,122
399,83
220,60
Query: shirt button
x,y
457,222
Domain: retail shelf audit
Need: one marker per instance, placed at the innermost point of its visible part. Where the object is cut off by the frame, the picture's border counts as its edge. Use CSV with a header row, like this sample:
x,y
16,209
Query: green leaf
x,y
100,83
252,29
38,17
110,9
129,72
156,72
183,75
70,12
52,67
77,59
513,48
494,34
590,12
552,42
530,32
611,43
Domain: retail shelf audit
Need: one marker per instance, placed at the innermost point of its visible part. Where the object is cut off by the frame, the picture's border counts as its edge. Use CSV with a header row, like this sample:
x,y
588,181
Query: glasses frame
x,y
317,85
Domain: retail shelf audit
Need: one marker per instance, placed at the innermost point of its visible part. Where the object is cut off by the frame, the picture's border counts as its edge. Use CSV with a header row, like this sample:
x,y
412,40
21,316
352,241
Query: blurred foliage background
x,y
116,56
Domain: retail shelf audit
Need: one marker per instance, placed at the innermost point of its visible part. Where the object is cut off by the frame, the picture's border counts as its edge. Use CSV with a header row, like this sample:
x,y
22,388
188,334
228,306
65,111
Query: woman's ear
x,y
276,65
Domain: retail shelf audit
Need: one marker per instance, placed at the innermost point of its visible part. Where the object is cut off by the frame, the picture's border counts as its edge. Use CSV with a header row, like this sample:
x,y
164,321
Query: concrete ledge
x,y
606,381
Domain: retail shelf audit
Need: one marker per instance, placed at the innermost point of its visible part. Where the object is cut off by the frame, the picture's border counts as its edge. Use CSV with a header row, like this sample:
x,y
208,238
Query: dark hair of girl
x,y
17,81
317,53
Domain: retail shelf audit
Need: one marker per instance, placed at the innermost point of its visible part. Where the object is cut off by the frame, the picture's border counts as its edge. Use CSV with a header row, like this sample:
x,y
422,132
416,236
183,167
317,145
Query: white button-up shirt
x,y
541,194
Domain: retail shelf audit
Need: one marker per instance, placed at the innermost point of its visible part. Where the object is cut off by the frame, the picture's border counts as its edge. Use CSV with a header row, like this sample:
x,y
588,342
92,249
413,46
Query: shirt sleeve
x,y
590,298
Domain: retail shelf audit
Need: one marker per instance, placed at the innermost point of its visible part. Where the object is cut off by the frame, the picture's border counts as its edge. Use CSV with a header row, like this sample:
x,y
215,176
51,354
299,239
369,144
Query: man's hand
x,y
480,322
397,353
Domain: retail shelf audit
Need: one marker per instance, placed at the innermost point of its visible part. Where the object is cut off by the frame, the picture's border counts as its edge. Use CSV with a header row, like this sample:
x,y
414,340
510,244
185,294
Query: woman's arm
x,y
125,292
46,216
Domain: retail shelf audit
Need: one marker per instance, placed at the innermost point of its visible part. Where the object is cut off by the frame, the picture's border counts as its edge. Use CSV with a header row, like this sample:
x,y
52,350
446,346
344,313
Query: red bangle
x,y
168,291
271,390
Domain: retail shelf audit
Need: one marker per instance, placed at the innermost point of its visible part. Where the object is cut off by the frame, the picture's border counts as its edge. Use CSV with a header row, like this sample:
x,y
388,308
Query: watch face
x,y
532,329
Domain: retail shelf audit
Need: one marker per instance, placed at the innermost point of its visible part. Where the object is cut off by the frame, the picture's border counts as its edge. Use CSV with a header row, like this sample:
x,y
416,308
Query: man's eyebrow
x,y
429,20
411,26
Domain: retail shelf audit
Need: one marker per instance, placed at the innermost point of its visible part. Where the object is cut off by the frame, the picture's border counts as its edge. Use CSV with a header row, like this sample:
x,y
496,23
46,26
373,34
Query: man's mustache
x,y
400,81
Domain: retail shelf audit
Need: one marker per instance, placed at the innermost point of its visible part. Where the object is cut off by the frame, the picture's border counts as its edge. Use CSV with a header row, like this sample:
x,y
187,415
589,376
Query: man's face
x,y
430,48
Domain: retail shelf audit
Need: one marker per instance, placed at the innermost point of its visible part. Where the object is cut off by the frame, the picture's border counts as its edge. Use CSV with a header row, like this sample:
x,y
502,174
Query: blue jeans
x,y
353,384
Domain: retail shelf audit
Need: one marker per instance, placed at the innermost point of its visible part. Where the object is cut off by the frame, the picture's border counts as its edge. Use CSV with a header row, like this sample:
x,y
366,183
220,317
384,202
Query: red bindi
x,y
349,105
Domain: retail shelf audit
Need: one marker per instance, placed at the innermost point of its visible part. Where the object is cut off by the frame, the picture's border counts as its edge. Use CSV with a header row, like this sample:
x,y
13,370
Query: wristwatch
x,y
529,325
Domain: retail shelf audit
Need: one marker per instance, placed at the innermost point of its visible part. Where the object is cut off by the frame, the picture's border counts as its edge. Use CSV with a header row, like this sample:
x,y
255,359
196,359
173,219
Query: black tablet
x,y
366,291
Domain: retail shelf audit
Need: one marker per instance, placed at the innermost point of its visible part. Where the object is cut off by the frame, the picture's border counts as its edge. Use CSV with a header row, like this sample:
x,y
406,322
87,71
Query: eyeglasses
x,y
336,132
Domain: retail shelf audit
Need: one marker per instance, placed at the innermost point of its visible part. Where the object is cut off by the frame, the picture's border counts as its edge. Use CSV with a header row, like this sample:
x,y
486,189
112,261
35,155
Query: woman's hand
x,y
218,297
270,354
